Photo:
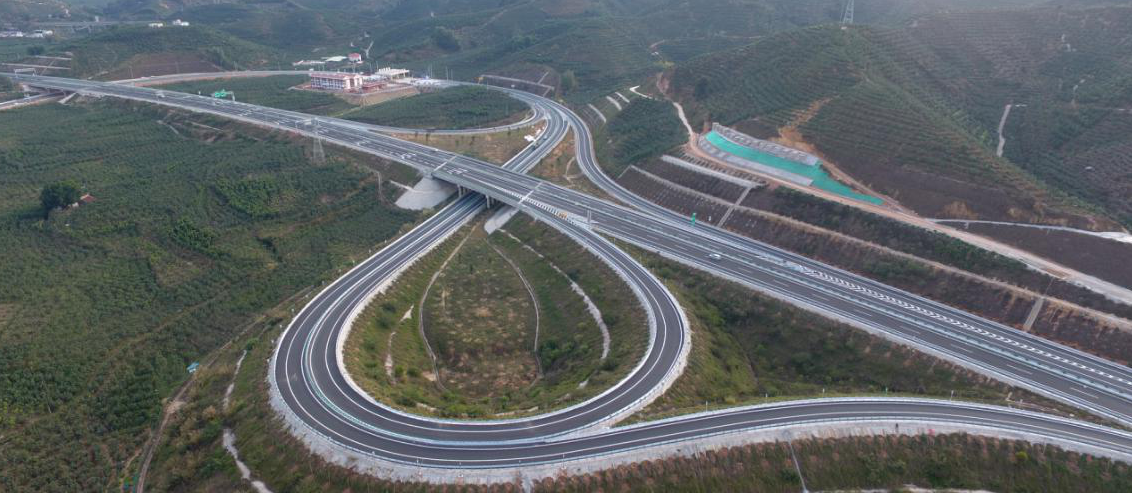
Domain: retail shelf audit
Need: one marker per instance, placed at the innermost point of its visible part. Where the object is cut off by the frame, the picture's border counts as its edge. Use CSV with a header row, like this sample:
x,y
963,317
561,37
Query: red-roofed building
x,y
336,81
356,57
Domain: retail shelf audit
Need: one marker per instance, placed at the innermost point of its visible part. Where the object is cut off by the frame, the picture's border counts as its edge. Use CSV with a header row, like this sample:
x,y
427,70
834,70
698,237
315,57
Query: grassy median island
x,y
748,348
453,108
271,91
480,321
195,226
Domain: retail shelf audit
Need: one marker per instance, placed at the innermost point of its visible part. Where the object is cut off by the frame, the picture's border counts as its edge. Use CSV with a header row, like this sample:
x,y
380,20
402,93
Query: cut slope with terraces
x,y
914,112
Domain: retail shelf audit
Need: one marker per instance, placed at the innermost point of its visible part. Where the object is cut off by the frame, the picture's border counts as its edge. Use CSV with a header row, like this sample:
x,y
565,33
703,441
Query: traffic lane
x,y
612,252
425,229
655,367
1061,363
851,296
843,412
340,311
291,374
944,342
595,173
1085,366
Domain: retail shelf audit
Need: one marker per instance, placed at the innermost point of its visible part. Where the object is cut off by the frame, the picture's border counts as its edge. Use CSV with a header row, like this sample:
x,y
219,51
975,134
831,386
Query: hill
x,y
605,43
130,52
913,111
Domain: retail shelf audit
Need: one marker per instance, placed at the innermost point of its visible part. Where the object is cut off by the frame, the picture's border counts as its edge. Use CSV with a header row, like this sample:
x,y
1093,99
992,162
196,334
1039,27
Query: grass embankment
x,y
1092,255
561,168
645,128
487,357
453,108
747,347
274,91
191,456
497,148
930,245
891,462
198,225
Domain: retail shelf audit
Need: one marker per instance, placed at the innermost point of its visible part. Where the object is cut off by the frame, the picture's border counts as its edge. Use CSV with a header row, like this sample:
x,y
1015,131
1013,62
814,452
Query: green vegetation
x,y
274,91
106,304
481,322
569,82
59,195
747,347
909,112
452,108
445,39
8,90
1082,149
496,148
570,342
128,52
645,128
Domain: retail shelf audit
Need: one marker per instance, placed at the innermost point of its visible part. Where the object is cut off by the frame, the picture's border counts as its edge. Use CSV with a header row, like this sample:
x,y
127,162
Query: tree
x,y
445,39
569,81
36,50
59,194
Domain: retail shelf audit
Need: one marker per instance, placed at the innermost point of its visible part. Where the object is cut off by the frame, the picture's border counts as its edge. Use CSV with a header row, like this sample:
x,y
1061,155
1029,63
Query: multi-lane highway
x,y
307,372
538,110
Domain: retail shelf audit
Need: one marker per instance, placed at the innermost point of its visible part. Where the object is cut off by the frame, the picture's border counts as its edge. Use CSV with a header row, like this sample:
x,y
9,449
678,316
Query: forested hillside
x,y
605,43
130,52
194,228
913,112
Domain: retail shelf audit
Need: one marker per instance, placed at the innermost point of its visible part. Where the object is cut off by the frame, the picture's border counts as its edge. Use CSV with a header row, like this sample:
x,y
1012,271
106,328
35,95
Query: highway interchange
x,y
308,377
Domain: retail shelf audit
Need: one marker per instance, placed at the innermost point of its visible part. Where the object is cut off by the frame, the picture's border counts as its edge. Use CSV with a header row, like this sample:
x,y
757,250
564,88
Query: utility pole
x,y
847,17
318,155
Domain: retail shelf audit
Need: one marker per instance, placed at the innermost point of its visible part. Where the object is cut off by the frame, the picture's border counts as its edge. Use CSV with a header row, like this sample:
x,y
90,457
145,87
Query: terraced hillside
x,y
914,111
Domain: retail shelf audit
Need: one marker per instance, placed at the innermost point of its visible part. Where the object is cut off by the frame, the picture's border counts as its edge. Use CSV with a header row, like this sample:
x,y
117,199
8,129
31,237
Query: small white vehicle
x,y
715,256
